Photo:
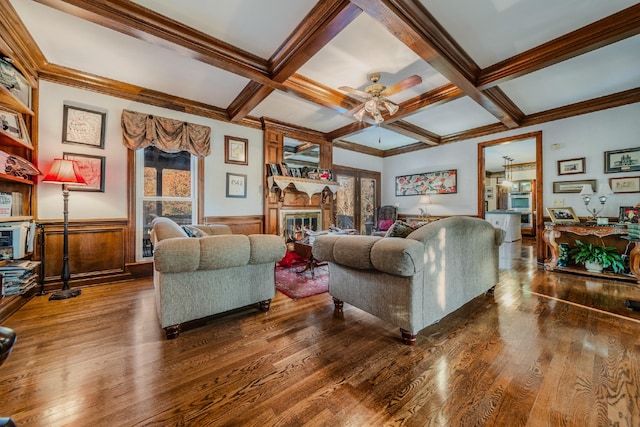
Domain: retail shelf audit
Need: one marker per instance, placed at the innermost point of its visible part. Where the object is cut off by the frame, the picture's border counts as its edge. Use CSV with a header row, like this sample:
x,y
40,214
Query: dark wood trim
x,y
611,29
130,254
358,148
242,224
412,131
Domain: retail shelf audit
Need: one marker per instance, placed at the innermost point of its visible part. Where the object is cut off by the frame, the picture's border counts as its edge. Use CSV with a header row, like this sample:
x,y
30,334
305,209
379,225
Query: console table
x,y
554,230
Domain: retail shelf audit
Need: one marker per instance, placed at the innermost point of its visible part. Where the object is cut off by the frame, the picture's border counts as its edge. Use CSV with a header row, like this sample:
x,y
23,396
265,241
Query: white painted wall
x,y
113,202
588,136
583,136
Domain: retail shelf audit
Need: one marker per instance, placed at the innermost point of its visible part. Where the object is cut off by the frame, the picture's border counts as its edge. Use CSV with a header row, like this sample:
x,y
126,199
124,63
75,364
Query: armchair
x,y
385,217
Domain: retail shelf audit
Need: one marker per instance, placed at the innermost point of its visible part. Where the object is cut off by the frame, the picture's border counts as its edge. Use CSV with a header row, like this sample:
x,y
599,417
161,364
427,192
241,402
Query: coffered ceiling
x,y
486,65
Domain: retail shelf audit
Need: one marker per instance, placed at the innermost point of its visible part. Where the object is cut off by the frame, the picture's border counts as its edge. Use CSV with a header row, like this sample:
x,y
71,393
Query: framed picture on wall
x,y
622,160
83,126
236,185
573,186
571,166
92,170
626,184
235,150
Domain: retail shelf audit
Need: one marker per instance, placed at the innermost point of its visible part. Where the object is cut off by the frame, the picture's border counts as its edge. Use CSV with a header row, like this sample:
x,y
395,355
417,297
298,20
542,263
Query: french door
x,y
357,198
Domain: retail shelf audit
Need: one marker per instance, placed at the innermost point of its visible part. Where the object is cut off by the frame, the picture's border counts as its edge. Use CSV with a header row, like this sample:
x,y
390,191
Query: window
x,y
166,186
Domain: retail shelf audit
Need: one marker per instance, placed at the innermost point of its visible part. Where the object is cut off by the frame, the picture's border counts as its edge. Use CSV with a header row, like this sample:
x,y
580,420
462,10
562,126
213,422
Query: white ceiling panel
x,y
452,117
365,47
291,109
242,23
98,50
608,70
493,30
379,137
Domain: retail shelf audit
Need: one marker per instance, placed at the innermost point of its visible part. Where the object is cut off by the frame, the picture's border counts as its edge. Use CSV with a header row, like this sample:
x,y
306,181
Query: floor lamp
x,y
65,172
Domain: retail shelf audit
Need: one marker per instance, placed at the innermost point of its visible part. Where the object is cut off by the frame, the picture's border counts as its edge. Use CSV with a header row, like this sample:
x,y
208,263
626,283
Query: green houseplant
x,y
590,254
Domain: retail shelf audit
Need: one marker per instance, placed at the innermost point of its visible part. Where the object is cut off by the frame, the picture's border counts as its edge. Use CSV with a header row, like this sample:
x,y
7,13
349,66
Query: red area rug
x,y
301,285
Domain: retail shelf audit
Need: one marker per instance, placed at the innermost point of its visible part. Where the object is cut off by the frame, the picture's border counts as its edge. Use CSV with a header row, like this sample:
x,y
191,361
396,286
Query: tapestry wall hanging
x,y
440,182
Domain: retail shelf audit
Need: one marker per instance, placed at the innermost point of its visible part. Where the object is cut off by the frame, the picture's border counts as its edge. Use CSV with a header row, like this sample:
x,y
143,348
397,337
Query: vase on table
x,y
563,254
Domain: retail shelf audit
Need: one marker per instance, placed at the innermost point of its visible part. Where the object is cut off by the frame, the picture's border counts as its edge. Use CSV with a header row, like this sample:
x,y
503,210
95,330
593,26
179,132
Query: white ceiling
x,y
488,31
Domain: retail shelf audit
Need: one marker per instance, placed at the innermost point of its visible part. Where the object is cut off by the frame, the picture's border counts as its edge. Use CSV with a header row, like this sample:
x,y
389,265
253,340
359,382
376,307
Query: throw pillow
x,y
193,231
384,224
401,229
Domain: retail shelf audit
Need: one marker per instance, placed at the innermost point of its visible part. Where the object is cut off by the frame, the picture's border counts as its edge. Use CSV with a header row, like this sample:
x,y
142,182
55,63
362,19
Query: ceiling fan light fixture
x,y
391,107
359,115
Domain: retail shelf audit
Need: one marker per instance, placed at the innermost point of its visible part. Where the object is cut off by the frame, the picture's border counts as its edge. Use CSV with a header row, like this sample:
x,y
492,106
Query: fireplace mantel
x,y
308,186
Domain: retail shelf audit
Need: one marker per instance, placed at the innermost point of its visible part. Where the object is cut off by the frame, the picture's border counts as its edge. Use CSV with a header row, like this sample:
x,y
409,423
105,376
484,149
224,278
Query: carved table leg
x,y
549,236
339,304
265,305
634,261
407,337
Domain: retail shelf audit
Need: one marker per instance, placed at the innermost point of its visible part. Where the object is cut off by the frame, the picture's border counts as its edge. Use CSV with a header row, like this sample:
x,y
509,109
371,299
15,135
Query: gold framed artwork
x,y
564,214
235,150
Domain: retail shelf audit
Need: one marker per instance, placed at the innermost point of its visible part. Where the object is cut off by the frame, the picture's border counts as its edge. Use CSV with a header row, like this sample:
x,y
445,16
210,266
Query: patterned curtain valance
x,y
140,130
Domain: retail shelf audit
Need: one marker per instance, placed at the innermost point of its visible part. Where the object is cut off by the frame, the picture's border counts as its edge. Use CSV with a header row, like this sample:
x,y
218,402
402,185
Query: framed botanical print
x,y
235,150
92,170
83,126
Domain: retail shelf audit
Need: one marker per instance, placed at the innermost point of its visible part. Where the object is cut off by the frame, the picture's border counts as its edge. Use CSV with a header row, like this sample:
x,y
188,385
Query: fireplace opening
x,y
295,223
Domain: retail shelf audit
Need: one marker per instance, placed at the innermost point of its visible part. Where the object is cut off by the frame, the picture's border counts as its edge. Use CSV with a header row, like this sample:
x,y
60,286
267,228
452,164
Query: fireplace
x,y
294,223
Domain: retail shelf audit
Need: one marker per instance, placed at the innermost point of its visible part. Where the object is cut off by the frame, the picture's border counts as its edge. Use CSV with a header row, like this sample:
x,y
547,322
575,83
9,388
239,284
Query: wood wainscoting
x,y
96,251
249,224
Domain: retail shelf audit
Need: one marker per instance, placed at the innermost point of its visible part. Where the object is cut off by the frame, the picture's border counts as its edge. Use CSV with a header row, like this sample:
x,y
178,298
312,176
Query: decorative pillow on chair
x,y
193,231
384,224
401,229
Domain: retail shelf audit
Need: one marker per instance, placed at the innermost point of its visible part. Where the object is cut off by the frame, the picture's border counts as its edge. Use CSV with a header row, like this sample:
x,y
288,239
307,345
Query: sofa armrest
x,y
176,255
266,248
224,251
391,255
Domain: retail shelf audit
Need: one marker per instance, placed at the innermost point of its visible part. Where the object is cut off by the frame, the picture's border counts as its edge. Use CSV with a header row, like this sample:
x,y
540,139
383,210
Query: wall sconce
x,y
604,190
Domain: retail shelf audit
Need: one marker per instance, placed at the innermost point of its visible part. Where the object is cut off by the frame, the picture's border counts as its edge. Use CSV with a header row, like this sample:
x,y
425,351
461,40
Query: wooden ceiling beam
x,y
136,21
321,25
412,24
611,29
412,131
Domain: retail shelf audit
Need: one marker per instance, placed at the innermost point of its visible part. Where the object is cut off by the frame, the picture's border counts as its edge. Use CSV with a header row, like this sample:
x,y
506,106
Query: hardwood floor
x,y
546,350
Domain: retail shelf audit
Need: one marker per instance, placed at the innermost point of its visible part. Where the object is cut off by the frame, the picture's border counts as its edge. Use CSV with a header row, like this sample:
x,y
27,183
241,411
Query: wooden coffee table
x,y
305,251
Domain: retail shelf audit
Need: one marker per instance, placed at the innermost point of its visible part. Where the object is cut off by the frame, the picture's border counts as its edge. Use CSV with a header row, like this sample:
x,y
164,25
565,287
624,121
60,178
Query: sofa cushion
x,y
384,224
266,248
176,255
401,229
401,257
349,250
193,231
225,251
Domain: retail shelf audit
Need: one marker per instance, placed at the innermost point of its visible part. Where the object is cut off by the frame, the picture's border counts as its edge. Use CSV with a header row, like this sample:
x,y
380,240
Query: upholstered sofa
x,y
415,281
196,277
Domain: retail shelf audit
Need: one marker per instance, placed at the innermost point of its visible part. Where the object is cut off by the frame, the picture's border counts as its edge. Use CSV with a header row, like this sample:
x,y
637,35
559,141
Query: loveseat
x,y
212,272
415,281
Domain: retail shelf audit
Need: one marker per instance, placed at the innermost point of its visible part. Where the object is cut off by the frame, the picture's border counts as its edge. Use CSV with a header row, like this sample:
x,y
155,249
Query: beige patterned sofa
x,y
415,281
196,277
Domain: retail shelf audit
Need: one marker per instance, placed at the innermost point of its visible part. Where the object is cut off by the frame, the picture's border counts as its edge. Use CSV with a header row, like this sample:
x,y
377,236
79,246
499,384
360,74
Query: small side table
x,y
305,251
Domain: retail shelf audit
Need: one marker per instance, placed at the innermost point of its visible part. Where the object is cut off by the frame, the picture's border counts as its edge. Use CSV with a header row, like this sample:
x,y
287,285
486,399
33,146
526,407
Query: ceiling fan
x,y
374,98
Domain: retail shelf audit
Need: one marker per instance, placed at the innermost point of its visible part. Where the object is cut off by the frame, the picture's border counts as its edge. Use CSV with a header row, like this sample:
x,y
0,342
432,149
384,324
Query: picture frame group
x,y
282,169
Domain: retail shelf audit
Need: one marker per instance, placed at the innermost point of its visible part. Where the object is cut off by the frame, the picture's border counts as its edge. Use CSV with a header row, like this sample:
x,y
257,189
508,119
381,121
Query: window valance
x,y
140,130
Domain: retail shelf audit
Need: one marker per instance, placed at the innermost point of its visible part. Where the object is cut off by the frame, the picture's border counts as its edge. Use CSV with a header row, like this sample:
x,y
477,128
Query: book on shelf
x,y
17,206
6,200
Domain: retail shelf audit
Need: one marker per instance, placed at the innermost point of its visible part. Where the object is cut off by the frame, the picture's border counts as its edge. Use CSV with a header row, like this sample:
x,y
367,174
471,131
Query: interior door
x,y
357,198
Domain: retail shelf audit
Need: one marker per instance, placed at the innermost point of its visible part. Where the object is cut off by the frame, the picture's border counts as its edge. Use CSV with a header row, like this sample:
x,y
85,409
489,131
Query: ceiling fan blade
x,y
361,94
410,81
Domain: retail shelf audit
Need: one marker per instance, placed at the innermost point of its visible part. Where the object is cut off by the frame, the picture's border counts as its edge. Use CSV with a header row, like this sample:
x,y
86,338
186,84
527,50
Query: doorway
x,y
357,198
487,161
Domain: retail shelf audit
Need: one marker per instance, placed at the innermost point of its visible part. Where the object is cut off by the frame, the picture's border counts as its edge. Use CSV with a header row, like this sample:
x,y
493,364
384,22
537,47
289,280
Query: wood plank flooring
x,y
548,349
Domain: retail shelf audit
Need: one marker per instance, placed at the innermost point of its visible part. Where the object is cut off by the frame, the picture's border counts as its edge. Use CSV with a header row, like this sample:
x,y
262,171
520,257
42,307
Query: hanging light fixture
x,y
508,162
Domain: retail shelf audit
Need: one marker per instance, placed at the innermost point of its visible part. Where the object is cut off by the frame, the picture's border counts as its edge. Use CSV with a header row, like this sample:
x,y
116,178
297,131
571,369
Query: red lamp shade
x,y
64,171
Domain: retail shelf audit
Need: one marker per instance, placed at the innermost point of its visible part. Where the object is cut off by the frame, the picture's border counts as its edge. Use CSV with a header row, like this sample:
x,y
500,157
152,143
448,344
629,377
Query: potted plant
x,y
597,257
